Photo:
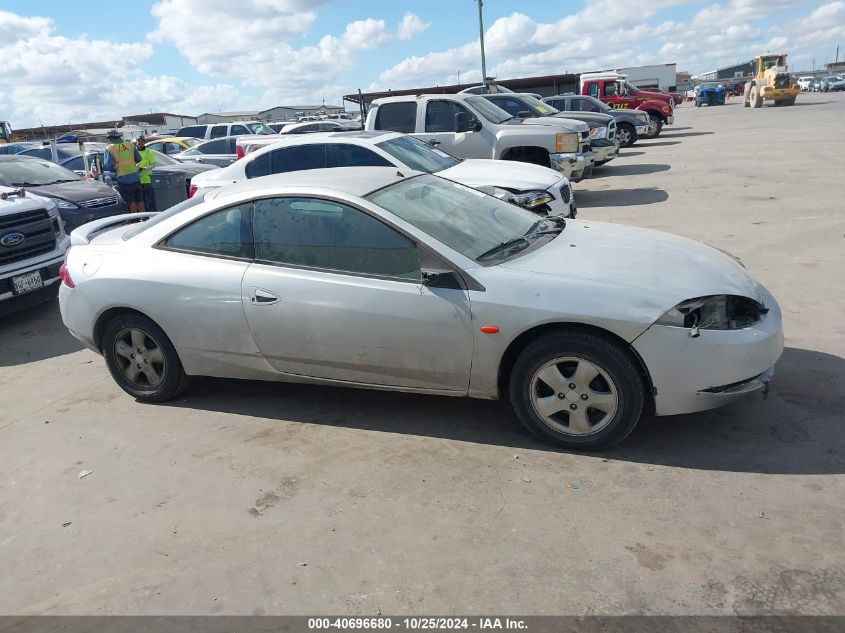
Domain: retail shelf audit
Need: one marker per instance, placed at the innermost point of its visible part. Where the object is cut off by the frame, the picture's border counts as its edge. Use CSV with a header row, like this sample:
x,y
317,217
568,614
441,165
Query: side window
x,y
75,164
172,148
259,166
397,117
218,130
440,116
297,158
593,90
226,233
586,105
212,147
239,129
331,236
196,131
356,156
610,89
231,143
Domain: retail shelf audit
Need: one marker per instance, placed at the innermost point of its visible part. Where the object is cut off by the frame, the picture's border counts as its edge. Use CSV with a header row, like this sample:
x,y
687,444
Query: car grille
x,y
48,272
585,134
566,194
611,130
99,203
39,231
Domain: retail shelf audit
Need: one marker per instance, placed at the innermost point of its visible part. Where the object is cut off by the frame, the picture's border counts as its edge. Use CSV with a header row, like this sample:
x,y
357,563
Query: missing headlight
x,y
717,312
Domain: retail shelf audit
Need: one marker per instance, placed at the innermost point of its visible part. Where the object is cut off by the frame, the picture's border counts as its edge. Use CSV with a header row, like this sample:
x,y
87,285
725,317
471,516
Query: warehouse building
x,y
737,71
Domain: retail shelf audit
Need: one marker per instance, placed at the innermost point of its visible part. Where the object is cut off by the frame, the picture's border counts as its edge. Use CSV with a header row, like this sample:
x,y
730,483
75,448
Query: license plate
x,y
27,282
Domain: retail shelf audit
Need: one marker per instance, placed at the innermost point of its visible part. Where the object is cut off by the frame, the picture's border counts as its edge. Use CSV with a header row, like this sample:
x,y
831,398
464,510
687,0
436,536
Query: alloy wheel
x,y
574,396
139,358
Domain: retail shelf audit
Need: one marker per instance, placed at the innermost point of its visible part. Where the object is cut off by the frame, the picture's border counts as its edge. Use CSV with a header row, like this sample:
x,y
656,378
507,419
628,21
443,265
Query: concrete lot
x,y
253,498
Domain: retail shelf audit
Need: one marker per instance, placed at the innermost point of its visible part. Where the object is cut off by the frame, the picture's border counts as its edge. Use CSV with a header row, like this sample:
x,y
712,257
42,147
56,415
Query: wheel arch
x,y
516,346
519,151
110,314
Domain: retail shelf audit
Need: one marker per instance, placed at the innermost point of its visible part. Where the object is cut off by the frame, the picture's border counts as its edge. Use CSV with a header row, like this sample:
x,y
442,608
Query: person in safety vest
x,y
122,158
145,166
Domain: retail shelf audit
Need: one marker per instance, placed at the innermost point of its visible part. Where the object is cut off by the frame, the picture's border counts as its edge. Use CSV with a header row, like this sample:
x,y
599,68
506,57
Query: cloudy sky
x,y
94,60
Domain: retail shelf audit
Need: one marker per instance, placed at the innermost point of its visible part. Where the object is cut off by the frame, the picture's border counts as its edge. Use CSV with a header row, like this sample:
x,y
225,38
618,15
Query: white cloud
x,y
60,79
615,33
410,25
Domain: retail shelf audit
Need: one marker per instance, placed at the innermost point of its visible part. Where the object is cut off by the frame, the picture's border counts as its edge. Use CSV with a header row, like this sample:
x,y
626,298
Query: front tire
x,y
626,134
655,126
578,390
755,98
142,360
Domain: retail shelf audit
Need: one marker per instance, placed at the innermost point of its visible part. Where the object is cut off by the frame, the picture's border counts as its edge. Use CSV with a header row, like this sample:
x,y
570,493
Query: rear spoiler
x,y
86,232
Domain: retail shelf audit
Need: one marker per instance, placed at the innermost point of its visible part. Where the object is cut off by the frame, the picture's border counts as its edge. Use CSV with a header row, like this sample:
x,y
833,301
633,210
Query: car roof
x,y
458,97
358,181
8,158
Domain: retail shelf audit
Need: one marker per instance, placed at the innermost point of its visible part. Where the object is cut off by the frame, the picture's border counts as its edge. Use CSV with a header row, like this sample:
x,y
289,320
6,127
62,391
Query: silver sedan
x,y
365,277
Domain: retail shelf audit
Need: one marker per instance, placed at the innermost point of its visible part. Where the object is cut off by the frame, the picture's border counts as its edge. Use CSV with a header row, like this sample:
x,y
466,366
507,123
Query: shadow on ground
x,y
657,143
684,134
800,429
798,102
35,334
629,154
620,197
618,169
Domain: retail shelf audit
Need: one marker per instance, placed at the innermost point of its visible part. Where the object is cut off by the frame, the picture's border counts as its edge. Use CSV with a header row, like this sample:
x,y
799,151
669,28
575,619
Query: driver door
x,y
439,129
334,293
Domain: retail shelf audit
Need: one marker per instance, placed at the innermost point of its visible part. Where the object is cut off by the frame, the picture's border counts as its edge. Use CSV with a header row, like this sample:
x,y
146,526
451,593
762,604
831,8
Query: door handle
x,y
433,142
262,296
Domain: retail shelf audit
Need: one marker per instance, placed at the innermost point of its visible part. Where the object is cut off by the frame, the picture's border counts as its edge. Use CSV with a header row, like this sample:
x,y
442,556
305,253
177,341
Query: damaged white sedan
x,y
366,277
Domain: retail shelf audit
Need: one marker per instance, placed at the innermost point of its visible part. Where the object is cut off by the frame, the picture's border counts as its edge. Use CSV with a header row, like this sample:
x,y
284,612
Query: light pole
x,y
481,39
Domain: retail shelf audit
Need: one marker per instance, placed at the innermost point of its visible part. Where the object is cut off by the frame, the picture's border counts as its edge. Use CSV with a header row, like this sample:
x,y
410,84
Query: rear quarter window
x,y
397,117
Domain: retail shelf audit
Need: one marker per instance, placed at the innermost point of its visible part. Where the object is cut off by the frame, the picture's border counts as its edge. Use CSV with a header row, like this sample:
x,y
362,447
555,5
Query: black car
x,y
629,123
79,200
164,165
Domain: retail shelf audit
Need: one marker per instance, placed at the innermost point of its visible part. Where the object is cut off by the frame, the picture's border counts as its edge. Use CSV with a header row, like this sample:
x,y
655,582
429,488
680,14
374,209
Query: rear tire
x,y
600,410
142,360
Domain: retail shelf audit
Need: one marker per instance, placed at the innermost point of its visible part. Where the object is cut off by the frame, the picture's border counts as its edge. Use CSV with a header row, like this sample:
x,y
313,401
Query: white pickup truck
x,y
469,126
32,248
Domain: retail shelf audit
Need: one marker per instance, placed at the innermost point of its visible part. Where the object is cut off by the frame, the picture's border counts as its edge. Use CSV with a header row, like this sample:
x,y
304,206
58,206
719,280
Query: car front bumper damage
x,y
713,369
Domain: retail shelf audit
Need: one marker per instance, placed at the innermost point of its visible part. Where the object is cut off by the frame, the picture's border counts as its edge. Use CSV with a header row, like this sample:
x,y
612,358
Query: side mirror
x,y
461,122
441,279
523,114
477,127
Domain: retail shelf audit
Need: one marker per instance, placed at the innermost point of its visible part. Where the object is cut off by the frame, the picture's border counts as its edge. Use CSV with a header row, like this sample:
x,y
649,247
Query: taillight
x,y
64,273
192,190
239,152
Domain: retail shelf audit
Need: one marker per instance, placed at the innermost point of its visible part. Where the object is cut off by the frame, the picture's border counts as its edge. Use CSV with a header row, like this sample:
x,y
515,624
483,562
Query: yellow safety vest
x,y
148,159
124,158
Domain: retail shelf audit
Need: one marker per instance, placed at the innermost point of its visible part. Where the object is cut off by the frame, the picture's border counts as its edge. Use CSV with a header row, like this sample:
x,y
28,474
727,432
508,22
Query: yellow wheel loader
x,y
770,82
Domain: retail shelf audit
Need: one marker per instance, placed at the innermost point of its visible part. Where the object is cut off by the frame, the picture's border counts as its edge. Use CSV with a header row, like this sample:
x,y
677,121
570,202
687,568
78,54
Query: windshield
x,y
462,218
35,173
489,111
542,108
417,154
260,128
710,85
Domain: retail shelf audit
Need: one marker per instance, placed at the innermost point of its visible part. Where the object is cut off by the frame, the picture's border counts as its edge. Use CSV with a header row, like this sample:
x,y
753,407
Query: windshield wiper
x,y
503,247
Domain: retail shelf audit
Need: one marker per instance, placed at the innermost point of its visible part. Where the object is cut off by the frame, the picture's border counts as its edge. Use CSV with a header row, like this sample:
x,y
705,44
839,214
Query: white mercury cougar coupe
x,y
366,277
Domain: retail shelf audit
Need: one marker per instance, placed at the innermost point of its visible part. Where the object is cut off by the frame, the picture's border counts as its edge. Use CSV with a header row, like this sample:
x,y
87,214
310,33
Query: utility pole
x,y
481,39
837,53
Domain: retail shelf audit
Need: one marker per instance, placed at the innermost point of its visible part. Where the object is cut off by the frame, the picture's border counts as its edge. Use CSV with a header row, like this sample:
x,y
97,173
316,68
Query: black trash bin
x,y
168,189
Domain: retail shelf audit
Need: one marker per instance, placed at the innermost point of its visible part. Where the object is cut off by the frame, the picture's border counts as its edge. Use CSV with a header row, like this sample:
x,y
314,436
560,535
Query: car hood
x,y
586,117
77,191
478,172
659,96
661,263
569,125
